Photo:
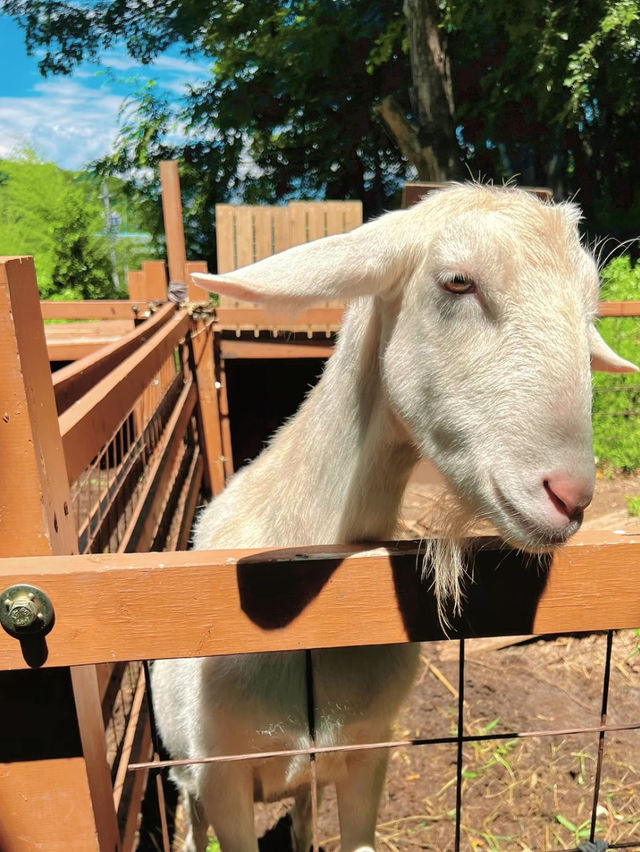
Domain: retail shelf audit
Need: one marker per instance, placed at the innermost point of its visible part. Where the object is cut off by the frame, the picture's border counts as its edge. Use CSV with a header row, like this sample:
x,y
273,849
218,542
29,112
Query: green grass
x,y
633,506
616,396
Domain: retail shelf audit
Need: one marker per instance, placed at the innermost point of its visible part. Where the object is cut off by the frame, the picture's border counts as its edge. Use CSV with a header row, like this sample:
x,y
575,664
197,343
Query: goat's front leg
x,y
226,792
359,791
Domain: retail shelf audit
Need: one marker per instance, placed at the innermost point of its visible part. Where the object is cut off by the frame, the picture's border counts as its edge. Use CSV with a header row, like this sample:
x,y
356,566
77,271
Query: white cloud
x,y
66,122
73,120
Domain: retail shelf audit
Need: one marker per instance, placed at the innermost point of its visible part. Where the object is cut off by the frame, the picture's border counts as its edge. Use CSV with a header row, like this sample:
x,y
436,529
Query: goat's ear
x,y
364,261
604,359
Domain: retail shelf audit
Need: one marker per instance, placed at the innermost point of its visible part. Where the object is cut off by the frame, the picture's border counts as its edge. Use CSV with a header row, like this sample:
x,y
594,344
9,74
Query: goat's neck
x,y
348,455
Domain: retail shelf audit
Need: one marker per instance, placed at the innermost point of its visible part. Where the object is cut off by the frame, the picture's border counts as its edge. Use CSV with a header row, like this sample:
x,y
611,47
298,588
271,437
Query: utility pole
x,y
108,230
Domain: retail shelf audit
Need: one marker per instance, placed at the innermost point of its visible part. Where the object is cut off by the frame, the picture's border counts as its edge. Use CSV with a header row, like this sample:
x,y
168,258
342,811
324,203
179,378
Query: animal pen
x,y
103,467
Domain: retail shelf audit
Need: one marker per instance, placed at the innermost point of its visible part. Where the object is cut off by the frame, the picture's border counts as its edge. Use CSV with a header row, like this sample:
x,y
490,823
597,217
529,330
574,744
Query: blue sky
x,y
72,120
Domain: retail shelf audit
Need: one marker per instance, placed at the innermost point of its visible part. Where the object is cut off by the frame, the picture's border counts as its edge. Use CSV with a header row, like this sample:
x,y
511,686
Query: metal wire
x,y
459,739
601,735
460,743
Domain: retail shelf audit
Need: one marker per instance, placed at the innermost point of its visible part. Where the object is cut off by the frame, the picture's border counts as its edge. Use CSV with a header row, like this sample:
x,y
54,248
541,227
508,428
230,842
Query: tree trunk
x,y
432,146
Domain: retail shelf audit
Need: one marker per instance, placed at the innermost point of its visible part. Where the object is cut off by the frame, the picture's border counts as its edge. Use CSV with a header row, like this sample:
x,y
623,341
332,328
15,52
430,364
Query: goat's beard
x,y
445,562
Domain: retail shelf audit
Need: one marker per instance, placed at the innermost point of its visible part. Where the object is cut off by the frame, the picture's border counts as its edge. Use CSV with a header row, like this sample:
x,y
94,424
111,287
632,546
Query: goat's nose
x,y
569,494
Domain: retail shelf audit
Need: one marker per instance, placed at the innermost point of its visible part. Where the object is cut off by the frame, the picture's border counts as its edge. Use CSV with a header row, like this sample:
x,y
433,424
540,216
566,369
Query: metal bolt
x,y
26,610
23,611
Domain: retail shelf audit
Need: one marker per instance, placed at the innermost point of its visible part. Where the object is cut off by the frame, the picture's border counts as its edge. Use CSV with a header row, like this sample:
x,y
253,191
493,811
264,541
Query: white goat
x,y
468,341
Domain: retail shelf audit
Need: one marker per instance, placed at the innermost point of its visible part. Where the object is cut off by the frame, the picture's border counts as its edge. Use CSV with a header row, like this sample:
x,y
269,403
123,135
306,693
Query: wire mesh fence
x,y
478,790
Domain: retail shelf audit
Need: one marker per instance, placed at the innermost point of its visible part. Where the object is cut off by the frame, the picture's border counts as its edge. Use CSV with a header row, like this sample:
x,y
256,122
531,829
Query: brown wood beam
x,y
222,602
53,769
173,224
273,349
87,426
73,381
94,309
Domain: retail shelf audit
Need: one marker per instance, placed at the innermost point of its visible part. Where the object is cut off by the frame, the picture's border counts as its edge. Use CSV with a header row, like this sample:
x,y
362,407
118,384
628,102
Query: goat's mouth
x,y
523,531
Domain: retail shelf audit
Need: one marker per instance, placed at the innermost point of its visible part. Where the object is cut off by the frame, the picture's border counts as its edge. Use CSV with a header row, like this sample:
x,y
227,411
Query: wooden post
x,y
155,278
207,410
53,768
173,224
148,284
195,293
223,403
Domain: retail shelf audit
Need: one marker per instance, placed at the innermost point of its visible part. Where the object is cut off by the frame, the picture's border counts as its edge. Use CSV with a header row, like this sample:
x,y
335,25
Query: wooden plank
x,y
100,330
71,382
223,405
287,599
335,217
103,309
89,711
225,237
261,318
128,739
267,349
173,225
281,233
49,778
34,498
297,223
245,247
194,292
208,408
190,499
45,804
88,426
316,224
619,309
263,228
73,350
155,277
135,284
352,215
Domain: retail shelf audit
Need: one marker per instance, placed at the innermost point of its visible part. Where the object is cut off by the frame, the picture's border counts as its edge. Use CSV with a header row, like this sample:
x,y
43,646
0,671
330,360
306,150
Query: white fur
x,y
494,387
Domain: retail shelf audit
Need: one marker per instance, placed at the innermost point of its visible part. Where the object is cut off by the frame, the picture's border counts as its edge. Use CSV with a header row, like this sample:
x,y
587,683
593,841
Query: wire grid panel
x,y
106,494
119,509
456,823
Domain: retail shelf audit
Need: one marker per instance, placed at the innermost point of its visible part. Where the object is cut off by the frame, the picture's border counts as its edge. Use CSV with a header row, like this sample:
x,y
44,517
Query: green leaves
x,y
616,397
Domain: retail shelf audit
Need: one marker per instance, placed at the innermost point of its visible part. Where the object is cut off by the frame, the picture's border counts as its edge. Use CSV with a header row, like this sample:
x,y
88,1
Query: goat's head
x,y
488,302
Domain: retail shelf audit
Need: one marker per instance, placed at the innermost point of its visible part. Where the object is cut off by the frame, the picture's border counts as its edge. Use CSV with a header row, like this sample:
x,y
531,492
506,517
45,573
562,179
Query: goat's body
x,y
349,452
469,341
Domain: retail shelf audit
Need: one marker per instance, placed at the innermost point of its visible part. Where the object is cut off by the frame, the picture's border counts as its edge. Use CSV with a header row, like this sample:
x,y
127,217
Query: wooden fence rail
x,y
148,605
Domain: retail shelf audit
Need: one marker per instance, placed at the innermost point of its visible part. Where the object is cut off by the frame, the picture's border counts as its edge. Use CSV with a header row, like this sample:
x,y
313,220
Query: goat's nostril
x,y
570,497
560,505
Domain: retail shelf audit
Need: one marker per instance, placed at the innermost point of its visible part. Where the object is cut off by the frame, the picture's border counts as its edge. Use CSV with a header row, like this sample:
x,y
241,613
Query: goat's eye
x,y
459,284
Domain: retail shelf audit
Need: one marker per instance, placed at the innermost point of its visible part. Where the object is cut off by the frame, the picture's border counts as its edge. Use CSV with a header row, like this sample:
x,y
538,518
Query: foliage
x,y
616,401
633,506
82,267
58,217
549,91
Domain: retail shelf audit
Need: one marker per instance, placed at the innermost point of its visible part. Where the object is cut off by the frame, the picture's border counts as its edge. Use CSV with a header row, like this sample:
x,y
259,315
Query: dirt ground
x,y
518,793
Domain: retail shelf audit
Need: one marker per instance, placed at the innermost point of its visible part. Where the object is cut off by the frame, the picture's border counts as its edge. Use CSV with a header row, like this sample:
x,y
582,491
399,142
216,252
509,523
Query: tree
x,y
288,110
57,216
336,97
429,143
82,267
